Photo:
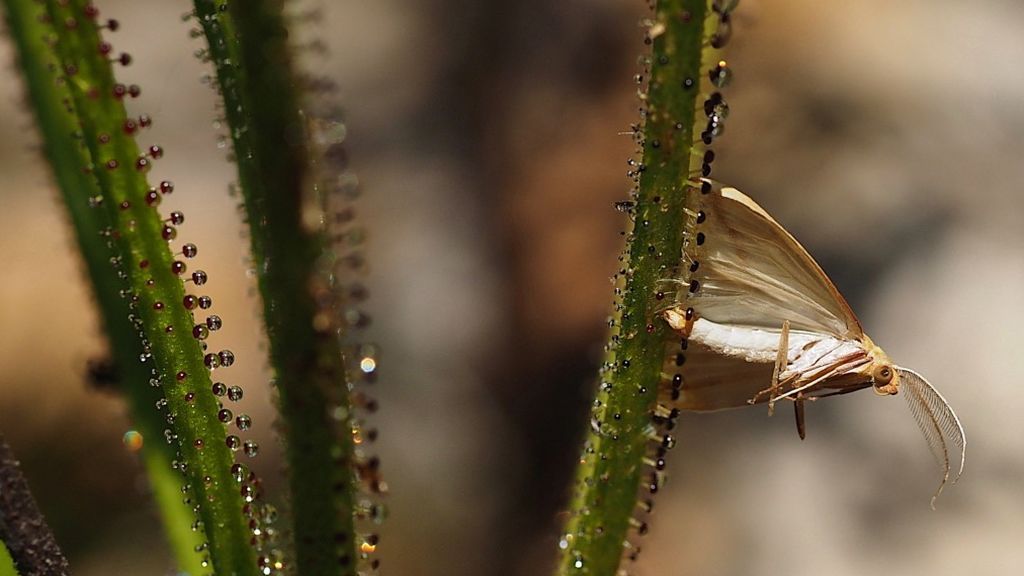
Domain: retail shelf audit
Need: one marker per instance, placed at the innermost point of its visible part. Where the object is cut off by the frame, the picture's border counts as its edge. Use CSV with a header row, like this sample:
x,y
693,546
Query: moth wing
x,y
752,272
938,423
714,381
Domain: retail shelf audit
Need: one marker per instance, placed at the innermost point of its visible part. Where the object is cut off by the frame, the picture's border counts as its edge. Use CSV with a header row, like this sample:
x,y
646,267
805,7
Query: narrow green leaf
x,y
171,335
270,130
62,144
614,475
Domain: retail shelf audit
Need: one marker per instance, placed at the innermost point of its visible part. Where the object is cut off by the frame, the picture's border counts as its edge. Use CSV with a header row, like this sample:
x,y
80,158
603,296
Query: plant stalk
x,y
612,475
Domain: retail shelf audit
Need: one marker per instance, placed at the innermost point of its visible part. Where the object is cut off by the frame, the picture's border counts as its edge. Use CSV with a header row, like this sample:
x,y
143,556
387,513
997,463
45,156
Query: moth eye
x,y
883,375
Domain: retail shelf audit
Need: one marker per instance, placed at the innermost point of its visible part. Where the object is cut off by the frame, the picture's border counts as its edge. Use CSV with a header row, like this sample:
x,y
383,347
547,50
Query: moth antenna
x,y
938,423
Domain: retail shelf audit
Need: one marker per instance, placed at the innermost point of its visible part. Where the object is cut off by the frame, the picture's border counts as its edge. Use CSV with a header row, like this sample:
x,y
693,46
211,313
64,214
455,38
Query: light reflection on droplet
x,y
368,365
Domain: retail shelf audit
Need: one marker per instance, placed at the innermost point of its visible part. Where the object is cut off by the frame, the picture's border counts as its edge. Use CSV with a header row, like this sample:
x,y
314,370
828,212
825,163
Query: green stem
x,y
155,292
612,468
57,123
248,46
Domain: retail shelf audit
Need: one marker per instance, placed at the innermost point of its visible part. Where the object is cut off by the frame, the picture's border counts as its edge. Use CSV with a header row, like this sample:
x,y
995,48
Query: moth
x,y
760,322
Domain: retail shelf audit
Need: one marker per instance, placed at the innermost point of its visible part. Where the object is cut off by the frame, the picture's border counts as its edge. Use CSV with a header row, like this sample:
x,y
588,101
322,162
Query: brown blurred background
x,y
886,136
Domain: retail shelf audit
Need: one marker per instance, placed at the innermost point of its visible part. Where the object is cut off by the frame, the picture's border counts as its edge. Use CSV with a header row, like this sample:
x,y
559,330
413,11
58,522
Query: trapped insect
x,y
760,322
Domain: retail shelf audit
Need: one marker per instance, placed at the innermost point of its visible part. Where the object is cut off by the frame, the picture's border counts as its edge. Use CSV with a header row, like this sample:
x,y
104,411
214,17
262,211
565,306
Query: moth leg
x,y
798,409
781,361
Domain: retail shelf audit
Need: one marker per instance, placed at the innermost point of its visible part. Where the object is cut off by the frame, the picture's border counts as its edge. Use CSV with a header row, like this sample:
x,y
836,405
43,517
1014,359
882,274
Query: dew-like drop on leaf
x,y
721,74
211,361
251,448
239,472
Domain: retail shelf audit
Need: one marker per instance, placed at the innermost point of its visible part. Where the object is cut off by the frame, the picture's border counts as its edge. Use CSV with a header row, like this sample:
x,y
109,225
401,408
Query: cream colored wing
x,y
938,423
752,272
713,381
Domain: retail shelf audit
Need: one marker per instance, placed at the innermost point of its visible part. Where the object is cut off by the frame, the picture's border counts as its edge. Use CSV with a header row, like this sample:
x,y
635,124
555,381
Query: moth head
x,y
884,376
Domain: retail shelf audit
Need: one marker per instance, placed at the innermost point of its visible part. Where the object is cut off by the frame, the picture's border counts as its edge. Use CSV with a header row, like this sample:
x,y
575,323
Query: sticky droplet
x,y
133,440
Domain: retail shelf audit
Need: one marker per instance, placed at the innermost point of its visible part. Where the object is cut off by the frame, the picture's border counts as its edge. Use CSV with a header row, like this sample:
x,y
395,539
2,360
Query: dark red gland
x,y
120,90
144,264
113,25
145,121
177,218
166,187
91,11
168,233
142,164
178,267
156,152
181,376
130,126
105,48
103,138
125,59
152,198
134,90
125,205
112,164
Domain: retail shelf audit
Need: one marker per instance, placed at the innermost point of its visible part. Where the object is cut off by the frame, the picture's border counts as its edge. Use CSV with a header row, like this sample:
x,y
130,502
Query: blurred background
x,y
488,135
